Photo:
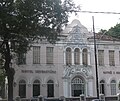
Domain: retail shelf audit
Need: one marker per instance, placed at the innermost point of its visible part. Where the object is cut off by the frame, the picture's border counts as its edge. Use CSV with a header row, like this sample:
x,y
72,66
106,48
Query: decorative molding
x,y
73,69
44,85
57,85
75,37
29,85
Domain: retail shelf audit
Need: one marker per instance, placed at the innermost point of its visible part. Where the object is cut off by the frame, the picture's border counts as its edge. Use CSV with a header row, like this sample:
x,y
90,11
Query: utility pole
x,y
97,87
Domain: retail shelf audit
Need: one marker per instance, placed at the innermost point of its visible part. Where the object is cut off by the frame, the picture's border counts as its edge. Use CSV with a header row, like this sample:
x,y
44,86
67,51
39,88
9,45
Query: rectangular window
x,y
101,57
21,59
111,58
49,55
36,54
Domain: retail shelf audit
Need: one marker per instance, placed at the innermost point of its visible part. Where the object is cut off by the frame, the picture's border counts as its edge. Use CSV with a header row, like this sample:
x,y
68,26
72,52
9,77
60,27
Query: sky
x,y
101,21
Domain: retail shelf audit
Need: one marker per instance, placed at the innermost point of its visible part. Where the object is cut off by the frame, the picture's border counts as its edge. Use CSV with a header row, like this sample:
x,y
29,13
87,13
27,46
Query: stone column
x,y
64,58
88,58
65,87
81,57
70,94
90,88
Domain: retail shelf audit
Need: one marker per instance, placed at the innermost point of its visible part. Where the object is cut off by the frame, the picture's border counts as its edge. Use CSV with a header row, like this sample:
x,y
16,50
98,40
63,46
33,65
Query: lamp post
x,y
97,87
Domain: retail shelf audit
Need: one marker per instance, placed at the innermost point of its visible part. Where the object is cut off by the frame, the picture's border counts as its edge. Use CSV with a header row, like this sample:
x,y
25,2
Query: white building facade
x,y
67,68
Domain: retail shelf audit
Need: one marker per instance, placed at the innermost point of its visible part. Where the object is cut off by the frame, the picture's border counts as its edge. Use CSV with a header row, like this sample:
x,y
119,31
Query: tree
x,y
2,83
102,31
2,78
114,31
22,21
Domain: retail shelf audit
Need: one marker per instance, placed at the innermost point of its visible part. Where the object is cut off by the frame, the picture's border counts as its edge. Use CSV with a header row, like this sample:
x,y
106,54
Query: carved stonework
x,y
69,71
75,35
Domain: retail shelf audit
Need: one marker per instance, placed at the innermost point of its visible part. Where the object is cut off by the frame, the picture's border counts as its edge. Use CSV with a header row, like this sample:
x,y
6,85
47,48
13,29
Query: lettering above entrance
x,y
69,71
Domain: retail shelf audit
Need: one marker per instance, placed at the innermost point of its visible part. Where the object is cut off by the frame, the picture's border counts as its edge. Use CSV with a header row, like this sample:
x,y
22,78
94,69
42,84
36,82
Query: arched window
x,y
102,87
113,87
68,56
85,57
50,88
77,56
22,88
36,88
77,86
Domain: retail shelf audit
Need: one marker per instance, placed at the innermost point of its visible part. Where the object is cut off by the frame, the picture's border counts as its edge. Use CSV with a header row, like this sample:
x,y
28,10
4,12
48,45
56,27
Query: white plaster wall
x,y
61,87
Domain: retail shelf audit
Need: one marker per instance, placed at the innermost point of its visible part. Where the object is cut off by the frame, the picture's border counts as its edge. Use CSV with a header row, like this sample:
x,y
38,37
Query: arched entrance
x,y
77,86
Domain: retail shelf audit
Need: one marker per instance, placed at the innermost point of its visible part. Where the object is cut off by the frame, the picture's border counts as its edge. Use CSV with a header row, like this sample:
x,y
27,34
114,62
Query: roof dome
x,y
75,23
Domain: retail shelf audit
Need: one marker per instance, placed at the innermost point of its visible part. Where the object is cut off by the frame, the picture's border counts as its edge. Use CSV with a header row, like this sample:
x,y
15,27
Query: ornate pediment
x,y
75,35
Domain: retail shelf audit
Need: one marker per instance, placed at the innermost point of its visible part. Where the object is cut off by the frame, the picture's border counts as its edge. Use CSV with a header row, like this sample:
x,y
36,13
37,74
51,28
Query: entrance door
x,y
77,92
77,86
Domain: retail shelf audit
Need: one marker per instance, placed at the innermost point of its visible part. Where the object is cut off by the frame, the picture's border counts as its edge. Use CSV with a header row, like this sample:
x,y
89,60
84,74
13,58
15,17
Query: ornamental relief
x,y
70,70
76,36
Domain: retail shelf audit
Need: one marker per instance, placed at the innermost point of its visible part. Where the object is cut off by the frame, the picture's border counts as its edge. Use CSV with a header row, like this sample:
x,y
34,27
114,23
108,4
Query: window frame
x,y
102,87
111,58
36,84
21,58
36,54
22,88
49,55
85,57
101,57
68,56
113,87
77,56
50,88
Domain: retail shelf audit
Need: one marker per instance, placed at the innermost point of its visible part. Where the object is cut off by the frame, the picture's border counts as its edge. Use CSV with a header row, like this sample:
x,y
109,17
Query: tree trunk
x,y
9,71
10,86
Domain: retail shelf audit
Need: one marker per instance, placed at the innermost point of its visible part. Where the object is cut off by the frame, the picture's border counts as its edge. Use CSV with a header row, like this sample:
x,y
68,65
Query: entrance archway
x,y
77,86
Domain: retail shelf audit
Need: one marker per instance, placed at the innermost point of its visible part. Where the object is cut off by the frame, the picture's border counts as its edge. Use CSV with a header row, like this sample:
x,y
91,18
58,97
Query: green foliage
x,y
114,31
22,21
102,31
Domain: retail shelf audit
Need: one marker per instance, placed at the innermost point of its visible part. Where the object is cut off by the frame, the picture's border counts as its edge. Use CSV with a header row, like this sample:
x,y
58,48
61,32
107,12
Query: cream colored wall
x,y
43,77
58,66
